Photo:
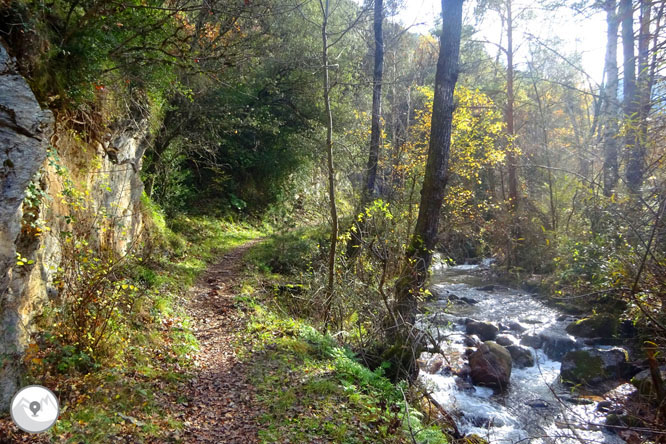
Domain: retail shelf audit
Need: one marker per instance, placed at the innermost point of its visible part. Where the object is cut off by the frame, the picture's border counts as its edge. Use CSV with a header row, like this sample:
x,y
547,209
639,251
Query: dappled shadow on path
x,y
218,405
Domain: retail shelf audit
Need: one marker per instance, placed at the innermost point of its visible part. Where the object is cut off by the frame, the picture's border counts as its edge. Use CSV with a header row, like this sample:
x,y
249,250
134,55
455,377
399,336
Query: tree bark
x,y
418,256
634,158
643,94
369,190
377,77
611,106
330,286
509,113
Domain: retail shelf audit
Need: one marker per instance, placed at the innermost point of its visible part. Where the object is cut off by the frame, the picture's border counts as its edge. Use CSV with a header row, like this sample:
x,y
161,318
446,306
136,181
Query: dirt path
x,y
220,407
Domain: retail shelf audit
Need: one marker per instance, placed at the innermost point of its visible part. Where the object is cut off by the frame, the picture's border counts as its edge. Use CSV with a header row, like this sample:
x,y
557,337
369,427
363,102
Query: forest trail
x,y
220,398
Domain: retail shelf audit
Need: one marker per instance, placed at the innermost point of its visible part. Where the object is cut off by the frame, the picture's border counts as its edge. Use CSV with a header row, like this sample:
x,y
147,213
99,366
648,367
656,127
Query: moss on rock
x,y
595,326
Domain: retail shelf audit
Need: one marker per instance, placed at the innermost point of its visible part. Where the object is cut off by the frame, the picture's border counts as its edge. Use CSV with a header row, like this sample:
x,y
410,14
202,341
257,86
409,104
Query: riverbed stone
x,y
517,327
557,344
484,330
643,382
522,356
534,341
594,366
431,362
505,340
491,366
595,326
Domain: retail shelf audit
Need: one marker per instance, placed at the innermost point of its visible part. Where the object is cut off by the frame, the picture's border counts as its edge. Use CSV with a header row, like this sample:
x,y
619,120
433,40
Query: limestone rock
x,y
24,133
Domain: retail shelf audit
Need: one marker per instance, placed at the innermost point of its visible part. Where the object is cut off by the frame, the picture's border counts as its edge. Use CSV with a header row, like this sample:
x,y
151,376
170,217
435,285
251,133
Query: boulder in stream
x,y
522,356
643,382
595,326
505,340
594,366
491,366
484,330
534,341
557,344
431,362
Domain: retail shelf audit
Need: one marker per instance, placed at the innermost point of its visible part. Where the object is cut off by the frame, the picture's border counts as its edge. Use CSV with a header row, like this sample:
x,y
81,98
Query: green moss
x,y
586,367
305,379
595,326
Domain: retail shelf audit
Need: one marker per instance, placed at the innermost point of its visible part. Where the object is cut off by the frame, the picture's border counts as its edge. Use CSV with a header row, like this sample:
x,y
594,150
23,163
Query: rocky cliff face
x,y
106,173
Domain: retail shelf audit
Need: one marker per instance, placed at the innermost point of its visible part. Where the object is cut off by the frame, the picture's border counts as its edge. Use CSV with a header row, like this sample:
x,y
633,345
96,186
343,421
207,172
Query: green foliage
x,y
290,253
316,381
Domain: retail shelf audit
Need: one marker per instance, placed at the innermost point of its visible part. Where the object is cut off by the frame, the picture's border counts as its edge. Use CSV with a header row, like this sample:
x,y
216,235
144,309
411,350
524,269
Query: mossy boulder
x,y
591,367
491,366
595,326
643,382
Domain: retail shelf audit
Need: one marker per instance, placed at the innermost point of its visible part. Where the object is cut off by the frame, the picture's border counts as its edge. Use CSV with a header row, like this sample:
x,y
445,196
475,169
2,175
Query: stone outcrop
x,y
24,136
596,326
106,172
491,366
594,366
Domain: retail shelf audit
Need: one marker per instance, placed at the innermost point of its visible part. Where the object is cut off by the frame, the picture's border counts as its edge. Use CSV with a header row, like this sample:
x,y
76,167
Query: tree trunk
x,y
643,94
509,113
634,158
330,287
611,107
419,252
369,191
375,132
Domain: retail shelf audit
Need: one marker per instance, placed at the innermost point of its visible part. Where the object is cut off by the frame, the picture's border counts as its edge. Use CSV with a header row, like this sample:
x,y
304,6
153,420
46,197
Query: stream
x,y
536,407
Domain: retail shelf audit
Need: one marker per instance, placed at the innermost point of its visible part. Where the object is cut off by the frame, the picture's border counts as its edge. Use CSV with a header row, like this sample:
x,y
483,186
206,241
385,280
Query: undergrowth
x,y
310,386
310,389
128,392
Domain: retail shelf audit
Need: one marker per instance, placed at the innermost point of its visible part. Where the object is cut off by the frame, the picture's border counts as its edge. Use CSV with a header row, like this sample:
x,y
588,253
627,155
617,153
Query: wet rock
x,y
517,327
484,330
491,366
614,421
580,400
538,404
522,356
533,284
484,422
462,300
471,341
486,288
534,341
556,344
643,382
605,406
464,385
505,340
431,364
627,329
594,366
464,371
595,326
